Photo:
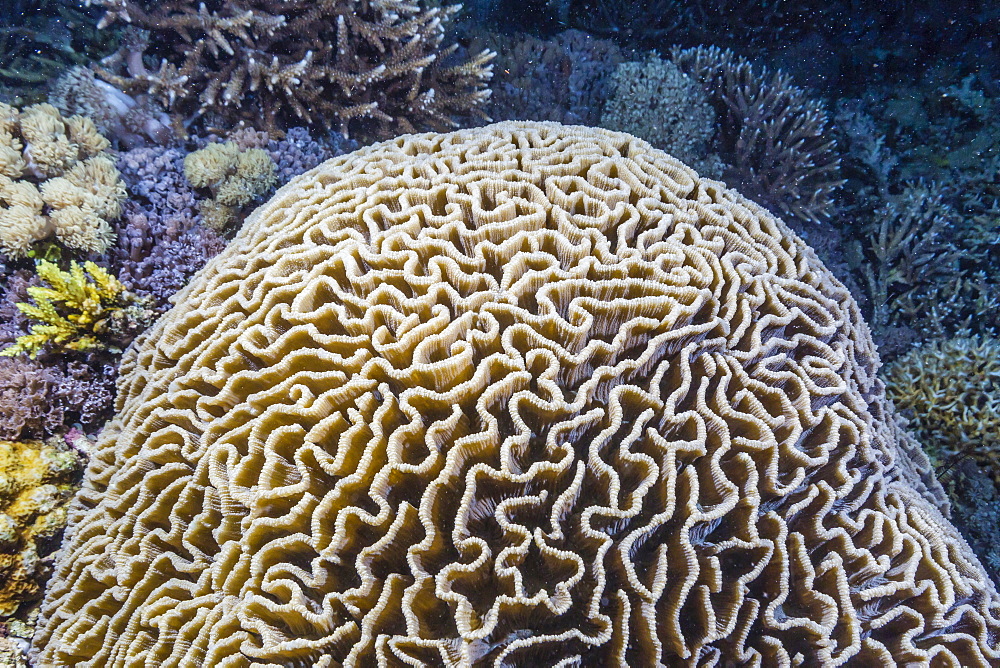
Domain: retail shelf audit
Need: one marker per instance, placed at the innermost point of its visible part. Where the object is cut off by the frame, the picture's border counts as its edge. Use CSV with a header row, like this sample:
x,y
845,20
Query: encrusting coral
x,y
36,483
236,178
83,309
55,180
376,66
950,390
522,395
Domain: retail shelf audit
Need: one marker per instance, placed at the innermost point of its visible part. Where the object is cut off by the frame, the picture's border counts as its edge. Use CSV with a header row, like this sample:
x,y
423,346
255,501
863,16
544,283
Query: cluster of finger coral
x,y
377,67
950,391
55,180
516,396
36,483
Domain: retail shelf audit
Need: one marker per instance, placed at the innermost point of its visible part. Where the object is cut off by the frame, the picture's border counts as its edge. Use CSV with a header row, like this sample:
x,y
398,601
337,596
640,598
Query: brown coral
x,y
951,390
522,395
376,66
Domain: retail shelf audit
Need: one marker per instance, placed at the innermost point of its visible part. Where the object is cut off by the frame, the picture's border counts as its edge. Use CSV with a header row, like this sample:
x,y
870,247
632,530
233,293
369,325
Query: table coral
x,y
36,483
55,180
521,395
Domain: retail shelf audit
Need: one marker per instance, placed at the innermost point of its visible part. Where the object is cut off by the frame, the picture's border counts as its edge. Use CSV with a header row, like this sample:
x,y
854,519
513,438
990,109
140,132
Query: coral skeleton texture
x,y
521,395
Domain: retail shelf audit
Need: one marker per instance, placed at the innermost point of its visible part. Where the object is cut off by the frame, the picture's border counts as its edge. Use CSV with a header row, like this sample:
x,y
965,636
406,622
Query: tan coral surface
x,y
524,395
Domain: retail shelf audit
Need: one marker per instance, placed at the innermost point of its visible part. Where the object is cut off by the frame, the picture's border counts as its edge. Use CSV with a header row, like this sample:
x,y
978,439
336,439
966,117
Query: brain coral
x,y
523,395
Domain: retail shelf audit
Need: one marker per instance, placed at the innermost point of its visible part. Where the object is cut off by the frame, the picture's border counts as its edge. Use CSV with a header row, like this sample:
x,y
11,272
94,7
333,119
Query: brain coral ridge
x,y
520,395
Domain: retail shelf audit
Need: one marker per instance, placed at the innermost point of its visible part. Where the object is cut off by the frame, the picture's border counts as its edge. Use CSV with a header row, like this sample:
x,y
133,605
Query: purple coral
x,y
42,397
161,241
298,152
776,138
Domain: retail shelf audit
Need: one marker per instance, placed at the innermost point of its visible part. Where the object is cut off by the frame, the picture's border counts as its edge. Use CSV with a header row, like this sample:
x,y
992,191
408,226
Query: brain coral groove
x,y
520,395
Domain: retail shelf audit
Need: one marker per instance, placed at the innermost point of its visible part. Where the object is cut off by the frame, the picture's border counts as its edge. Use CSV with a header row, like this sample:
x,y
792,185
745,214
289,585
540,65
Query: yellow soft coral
x,y
55,181
77,312
235,177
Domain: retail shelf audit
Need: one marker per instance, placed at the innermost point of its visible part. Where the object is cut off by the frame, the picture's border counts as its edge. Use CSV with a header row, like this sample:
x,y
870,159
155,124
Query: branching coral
x,y
774,136
522,395
235,177
950,389
376,65
55,180
36,483
83,309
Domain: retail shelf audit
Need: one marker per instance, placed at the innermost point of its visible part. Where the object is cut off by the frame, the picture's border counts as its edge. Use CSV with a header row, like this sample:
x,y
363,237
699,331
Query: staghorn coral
x,y
654,100
235,176
83,309
377,66
521,395
774,137
55,180
950,390
36,483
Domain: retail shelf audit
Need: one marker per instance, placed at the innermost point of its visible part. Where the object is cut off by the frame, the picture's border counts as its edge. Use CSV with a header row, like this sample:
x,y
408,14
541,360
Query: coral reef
x,y
950,391
374,67
521,395
161,241
36,482
127,121
83,309
235,176
55,180
774,136
654,100
565,78
45,396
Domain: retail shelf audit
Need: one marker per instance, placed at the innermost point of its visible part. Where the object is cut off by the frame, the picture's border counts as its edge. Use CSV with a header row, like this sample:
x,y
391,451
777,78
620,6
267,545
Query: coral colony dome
x,y
510,334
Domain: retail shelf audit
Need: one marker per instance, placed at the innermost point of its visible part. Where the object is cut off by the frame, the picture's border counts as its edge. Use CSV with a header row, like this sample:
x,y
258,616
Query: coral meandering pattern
x,y
520,395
